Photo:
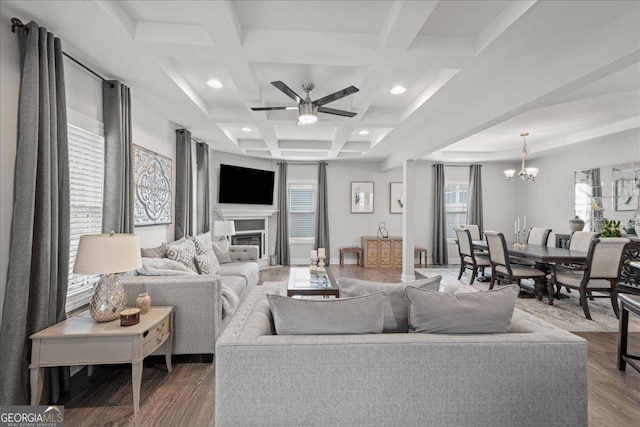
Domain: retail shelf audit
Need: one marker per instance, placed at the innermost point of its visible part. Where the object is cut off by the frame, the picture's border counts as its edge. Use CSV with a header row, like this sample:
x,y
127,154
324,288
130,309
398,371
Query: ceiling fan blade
x,y
336,95
271,108
336,112
287,91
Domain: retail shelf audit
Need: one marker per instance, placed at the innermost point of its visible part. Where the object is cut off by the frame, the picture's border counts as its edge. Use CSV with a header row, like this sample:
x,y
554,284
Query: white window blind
x,y
302,209
455,202
86,173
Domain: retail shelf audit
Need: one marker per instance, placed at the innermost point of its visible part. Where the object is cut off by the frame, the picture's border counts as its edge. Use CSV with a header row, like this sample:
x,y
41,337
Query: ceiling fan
x,y
308,110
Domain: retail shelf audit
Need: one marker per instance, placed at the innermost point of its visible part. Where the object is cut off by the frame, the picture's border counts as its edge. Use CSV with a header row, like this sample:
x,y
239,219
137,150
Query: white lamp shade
x,y
224,228
509,173
106,254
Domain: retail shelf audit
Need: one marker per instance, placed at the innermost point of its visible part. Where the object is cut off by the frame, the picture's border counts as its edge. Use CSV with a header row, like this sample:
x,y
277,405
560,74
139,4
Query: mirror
x,y
608,192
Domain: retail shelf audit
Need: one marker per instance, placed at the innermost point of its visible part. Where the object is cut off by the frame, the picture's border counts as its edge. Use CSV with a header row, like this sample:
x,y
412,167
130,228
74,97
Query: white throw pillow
x,y
208,263
221,248
202,242
184,252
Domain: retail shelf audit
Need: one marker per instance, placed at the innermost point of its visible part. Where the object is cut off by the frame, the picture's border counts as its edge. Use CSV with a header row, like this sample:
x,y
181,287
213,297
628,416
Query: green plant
x,y
610,229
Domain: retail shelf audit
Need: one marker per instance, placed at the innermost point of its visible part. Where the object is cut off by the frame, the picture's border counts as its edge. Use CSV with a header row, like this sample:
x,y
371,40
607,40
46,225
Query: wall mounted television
x,y
245,186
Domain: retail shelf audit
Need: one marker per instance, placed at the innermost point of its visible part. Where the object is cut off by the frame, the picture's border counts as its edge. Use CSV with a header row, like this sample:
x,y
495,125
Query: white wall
x,y
10,84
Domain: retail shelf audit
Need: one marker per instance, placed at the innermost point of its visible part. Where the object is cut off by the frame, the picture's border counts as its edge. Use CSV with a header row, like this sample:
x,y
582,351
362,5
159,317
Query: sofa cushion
x,y
202,242
221,248
396,312
461,313
183,252
249,270
236,283
457,288
163,267
340,316
157,252
207,263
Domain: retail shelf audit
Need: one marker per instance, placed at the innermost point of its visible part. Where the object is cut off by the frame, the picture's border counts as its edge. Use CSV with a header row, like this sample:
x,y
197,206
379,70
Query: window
x,y
302,209
86,172
455,205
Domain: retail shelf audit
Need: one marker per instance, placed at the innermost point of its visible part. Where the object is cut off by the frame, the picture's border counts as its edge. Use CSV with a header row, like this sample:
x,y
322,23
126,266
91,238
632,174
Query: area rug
x,y
565,313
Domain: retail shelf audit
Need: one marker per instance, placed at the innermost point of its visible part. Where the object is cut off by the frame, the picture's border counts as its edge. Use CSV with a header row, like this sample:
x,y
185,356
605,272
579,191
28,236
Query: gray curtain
x,y
282,232
39,248
322,213
117,209
439,217
202,188
474,208
184,185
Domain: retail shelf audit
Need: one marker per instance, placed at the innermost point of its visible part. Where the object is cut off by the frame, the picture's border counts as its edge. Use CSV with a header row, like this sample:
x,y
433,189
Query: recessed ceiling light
x,y
397,90
215,83
246,129
364,132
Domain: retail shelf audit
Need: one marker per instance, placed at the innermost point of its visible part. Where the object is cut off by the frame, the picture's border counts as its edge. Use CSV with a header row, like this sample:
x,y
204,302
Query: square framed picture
x,y
627,190
396,198
361,197
152,186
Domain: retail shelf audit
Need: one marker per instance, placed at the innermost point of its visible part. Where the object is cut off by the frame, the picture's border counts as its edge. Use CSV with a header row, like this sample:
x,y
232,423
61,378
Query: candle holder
x,y
517,244
321,270
313,268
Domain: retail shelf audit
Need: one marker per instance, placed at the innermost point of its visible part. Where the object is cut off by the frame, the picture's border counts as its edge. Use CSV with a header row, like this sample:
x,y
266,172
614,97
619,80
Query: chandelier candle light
x,y
526,174
107,254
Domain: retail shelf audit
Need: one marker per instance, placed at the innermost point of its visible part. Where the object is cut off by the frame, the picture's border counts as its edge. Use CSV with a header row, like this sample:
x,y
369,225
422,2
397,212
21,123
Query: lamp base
x,y
108,299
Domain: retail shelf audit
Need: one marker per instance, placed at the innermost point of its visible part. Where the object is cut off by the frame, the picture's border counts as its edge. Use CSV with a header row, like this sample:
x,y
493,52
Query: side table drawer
x,y
155,336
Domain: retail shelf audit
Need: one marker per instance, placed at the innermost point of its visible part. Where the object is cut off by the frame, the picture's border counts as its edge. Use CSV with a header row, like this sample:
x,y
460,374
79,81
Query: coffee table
x,y
301,283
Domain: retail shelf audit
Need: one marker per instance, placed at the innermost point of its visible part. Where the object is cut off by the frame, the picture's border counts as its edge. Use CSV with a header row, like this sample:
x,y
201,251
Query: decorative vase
x,y
143,302
576,224
598,223
108,299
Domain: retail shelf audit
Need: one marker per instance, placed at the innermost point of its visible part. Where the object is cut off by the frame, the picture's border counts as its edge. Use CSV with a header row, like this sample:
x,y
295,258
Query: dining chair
x,y
474,230
579,241
600,273
468,258
503,271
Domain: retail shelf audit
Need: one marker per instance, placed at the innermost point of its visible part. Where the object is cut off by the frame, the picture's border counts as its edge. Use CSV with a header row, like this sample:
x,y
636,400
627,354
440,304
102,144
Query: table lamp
x,y
224,228
107,254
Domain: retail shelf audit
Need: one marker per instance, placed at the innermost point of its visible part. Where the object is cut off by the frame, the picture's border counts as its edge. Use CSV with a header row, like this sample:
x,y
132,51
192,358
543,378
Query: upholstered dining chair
x,y
474,230
469,259
579,241
601,272
503,271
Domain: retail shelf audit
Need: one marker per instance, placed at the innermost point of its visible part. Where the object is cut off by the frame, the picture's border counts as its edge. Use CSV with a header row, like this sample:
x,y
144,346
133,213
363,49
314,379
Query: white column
x,y
408,219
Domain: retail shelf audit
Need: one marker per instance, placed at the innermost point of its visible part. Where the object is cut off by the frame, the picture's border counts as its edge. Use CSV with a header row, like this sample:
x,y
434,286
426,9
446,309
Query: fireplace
x,y
254,239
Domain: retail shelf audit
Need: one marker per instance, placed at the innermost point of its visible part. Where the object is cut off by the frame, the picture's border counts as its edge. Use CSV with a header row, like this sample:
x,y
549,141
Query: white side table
x,y
82,341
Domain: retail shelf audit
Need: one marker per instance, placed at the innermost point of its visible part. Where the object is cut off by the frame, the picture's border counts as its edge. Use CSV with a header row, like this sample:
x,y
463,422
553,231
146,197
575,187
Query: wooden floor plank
x,y
186,397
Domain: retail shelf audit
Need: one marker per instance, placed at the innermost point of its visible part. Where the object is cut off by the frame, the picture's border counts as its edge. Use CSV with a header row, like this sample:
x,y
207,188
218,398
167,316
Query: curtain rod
x,y
17,23
303,163
458,165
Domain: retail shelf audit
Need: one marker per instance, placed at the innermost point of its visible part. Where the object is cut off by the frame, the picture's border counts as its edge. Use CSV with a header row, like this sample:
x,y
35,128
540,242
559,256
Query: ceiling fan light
x,y
509,173
307,119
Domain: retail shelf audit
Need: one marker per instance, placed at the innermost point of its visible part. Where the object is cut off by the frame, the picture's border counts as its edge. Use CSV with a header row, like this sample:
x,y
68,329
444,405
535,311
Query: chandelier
x,y
526,174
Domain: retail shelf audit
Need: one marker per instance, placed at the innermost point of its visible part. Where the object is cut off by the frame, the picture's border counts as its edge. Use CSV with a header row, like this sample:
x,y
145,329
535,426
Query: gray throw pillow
x,y
221,249
396,312
184,252
208,263
339,316
157,252
485,312
202,242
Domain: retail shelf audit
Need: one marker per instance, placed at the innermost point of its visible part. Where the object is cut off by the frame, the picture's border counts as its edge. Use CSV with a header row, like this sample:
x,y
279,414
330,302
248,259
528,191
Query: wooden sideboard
x,y
379,252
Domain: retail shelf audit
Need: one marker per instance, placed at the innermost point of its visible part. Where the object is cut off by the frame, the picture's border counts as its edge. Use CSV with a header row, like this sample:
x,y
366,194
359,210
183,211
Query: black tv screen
x,y
245,186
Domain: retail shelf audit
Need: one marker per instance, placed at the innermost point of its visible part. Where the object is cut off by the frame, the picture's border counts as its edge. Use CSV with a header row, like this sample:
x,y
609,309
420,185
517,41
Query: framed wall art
x,y
396,198
627,190
361,197
152,187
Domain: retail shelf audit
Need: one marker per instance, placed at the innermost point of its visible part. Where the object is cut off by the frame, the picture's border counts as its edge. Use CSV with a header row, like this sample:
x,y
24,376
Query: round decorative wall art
x,y
152,182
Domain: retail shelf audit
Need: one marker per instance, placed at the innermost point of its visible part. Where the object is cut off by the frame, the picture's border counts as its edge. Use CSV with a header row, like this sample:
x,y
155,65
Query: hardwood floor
x,y
186,396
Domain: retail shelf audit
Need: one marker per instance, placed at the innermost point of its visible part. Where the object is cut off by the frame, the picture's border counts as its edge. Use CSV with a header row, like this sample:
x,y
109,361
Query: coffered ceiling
x,y
476,73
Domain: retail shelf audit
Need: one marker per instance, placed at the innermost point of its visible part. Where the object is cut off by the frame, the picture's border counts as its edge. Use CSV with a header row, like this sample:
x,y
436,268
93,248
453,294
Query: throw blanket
x,y
229,301
163,267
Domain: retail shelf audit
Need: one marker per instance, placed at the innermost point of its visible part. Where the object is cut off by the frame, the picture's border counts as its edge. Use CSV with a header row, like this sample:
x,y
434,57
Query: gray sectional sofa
x,y
198,299
534,375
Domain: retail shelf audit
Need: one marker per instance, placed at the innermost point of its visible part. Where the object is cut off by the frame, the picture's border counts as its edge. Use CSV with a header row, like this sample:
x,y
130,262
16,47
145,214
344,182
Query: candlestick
x,y
518,225
321,253
321,270
313,268
524,226
314,254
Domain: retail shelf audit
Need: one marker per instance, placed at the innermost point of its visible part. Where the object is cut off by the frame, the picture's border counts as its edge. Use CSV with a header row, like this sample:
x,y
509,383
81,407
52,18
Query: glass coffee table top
x,y
301,282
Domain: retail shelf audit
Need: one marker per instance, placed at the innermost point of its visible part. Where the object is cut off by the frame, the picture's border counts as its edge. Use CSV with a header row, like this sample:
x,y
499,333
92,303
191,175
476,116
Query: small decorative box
x,y
130,317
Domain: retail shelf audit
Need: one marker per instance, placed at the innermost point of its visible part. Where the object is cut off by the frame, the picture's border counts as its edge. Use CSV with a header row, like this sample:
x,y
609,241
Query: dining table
x,y
548,256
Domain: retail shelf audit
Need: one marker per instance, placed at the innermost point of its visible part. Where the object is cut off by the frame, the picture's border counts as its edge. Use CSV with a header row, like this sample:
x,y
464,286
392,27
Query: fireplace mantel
x,y
231,214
